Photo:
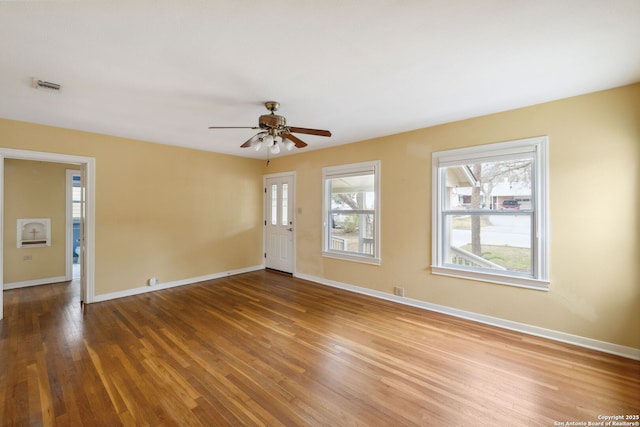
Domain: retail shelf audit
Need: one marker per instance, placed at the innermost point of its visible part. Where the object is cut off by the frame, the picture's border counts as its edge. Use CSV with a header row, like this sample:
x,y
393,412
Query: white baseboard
x,y
603,346
37,282
167,285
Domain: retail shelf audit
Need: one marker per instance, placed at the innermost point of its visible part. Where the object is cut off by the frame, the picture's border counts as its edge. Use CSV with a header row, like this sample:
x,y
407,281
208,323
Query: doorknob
x,y
290,229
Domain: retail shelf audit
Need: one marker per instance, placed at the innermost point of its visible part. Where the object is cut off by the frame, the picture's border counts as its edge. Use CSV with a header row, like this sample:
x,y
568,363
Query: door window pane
x,y
274,204
285,204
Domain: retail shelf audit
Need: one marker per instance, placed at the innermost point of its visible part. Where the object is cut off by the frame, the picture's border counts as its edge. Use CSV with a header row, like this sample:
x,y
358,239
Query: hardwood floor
x,y
266,349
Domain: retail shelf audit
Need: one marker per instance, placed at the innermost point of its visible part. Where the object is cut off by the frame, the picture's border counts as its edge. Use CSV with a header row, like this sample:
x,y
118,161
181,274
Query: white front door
x,y
279,222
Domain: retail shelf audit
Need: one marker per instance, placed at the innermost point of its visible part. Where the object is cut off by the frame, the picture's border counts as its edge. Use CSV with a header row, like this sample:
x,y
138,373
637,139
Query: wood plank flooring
x,y
266,349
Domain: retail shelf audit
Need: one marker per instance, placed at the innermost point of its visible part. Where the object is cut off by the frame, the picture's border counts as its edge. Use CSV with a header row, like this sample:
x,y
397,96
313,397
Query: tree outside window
x,y
503,239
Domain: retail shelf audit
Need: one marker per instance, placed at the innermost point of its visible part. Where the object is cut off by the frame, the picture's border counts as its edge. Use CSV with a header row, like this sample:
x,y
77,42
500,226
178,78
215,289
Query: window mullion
x,y
352,211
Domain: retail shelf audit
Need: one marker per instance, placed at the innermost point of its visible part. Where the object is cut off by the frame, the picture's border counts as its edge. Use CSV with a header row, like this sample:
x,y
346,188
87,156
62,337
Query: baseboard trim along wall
x,y
37,282
603,346
167,285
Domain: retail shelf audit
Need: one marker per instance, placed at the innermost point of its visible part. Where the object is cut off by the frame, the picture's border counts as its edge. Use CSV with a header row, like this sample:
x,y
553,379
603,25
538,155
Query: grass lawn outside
x,y
511,258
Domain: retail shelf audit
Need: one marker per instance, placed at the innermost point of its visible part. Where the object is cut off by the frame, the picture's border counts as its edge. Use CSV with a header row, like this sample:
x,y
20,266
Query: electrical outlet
x,y
153,281
27,258
398,291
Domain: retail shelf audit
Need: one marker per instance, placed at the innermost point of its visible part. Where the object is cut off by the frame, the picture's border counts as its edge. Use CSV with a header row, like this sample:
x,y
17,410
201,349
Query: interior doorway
x,y
75,221
87,169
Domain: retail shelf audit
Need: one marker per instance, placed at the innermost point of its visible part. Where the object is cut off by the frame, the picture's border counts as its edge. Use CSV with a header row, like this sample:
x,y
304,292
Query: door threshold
x,y
273,270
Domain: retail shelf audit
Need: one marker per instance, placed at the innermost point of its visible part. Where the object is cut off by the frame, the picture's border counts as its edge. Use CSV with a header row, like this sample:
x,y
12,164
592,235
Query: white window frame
x,y
538,148
353,169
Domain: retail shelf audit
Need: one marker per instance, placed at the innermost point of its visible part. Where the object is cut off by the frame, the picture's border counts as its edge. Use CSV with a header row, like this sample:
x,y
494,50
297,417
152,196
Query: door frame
x,y
265,214
89,166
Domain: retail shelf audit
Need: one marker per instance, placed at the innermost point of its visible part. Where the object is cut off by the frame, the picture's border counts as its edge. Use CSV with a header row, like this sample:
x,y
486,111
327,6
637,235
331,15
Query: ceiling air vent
x,y
51,87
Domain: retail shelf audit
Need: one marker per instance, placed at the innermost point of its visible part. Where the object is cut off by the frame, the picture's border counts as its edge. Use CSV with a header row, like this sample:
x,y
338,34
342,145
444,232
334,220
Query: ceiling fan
x,y
275,132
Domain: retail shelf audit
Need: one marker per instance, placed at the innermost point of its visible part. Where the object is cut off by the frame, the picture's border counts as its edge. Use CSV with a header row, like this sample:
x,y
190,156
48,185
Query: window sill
x,y
500,279
350,257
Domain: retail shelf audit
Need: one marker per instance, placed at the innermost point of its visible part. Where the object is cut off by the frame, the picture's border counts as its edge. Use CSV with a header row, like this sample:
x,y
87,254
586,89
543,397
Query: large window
x,y
351,212
490,219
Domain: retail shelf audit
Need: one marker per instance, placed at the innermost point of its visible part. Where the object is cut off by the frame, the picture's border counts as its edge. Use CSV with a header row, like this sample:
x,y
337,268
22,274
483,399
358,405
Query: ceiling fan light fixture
x,y
275,148
288,144
257,144
268,141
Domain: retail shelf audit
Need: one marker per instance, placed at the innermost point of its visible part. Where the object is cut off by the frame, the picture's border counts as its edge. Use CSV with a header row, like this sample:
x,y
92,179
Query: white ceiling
x,y
165,70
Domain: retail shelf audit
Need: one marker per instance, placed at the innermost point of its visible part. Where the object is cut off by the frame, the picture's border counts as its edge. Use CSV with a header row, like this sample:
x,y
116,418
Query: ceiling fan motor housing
x,y
272,121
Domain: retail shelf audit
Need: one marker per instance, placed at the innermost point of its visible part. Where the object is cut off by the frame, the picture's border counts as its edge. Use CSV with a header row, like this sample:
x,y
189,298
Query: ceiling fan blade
x,y
252,139
318,132
233,127
297,141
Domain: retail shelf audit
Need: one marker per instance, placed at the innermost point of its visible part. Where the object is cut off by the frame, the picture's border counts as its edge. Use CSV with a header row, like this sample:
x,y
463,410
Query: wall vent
x,y
42,84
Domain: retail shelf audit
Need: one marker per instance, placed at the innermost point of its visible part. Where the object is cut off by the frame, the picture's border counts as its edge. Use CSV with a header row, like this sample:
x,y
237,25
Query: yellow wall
x,y
34,190
594,145
161,211
176,213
